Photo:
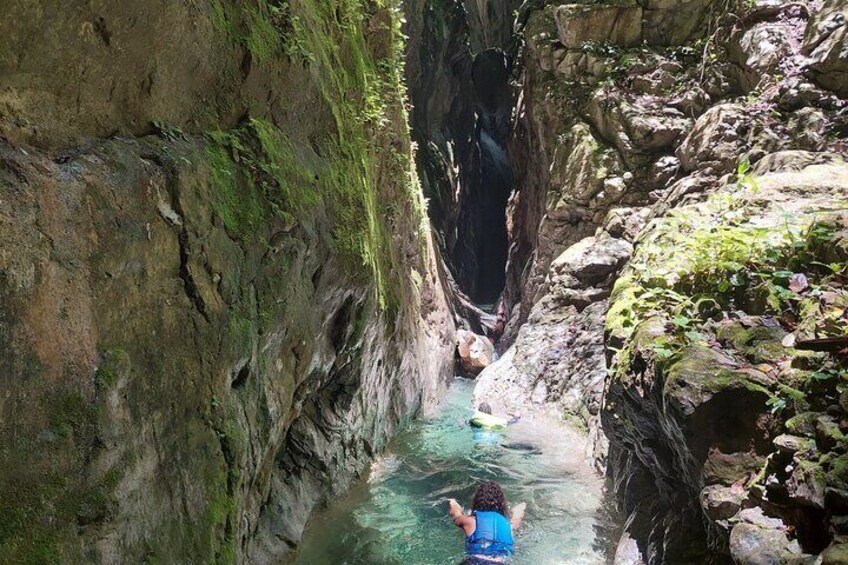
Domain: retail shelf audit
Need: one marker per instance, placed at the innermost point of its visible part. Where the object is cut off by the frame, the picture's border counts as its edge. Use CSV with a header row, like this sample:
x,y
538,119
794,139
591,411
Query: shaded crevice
x,y
481,263
459,80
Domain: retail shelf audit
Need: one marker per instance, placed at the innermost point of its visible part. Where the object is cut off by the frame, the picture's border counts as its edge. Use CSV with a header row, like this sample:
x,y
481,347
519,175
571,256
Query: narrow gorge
x,y
248,246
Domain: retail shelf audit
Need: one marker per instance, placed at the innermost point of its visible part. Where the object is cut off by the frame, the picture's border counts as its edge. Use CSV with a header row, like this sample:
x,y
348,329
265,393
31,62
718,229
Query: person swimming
x,y
488,528
483,418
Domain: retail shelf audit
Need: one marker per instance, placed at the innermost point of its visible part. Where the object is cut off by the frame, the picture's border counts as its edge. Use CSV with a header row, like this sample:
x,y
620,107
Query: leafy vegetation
x,y
355,52
727,259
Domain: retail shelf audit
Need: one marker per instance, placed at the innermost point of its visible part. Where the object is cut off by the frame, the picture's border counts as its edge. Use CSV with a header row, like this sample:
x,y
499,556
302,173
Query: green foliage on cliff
x,y
364,174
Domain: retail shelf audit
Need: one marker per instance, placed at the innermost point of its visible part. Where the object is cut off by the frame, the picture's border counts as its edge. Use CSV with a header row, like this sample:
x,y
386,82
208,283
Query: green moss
x,y
249,24
356,56
837,472
235,199
803,424
707,370
113,363
760,344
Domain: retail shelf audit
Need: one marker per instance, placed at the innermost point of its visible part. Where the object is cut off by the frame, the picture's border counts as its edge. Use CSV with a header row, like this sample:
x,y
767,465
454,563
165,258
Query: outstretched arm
x,y
517,515
467,523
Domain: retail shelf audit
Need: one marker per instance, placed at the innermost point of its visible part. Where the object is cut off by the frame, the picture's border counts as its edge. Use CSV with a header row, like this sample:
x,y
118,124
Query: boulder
x,y
825,43
619,24
626,223
753,545
591,259
715,141
759,51
475,351
633,127
721,502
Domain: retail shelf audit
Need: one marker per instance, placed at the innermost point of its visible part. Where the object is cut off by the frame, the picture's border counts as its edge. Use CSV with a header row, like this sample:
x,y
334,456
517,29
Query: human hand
x,y
518,509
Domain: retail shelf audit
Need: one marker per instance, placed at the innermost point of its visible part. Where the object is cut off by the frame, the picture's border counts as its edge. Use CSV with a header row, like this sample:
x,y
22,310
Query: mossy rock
x,y
837,472
803,424
699,372
758,343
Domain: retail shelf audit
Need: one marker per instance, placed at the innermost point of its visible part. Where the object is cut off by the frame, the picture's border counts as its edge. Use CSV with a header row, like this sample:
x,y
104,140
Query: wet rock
x,y
627,551
824,44
475,352
618,23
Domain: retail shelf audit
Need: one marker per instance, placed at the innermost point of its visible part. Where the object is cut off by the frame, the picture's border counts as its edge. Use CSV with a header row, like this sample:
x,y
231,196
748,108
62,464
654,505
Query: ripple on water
x,y
398,514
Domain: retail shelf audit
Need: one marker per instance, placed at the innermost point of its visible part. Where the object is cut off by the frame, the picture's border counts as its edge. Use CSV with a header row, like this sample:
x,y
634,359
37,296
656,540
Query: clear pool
x,y
398,513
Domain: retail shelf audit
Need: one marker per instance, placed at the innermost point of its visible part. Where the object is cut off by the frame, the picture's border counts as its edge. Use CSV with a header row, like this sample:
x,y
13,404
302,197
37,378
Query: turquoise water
x,y
398,514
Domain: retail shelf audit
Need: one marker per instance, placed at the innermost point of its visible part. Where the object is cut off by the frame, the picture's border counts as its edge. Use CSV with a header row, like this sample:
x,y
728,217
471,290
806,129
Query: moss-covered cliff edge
x,y
219,293
687,119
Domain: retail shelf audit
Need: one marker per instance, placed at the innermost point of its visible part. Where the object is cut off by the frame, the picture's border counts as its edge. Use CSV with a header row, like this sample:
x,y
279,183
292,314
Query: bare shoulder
x,y
467,523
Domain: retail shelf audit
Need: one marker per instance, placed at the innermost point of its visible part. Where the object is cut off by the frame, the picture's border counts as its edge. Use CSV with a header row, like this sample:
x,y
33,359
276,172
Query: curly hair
x,y
490,497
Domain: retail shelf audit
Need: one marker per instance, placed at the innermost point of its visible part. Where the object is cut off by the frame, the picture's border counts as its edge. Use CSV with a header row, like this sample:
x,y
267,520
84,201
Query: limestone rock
x,y
635,128
627,551
626,223
673,22
617,23
592,259
753,545
760,50
714,140
475,351
757,517
720,502
824,43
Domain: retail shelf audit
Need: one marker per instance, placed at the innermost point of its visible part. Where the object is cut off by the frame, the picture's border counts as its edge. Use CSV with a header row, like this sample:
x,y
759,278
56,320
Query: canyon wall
x,y
219,296
676,248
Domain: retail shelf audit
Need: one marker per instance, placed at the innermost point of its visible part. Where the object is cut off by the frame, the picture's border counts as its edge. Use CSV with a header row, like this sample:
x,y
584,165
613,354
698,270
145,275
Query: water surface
x,y
398,514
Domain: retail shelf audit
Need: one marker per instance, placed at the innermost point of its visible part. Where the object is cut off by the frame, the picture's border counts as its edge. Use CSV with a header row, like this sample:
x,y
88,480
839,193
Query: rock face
x,y
458,76
211,329
557,361
701,123
824,43
690,387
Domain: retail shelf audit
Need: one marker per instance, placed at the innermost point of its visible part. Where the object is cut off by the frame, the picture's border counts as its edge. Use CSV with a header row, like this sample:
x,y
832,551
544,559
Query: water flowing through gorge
x,y
246,246
398,513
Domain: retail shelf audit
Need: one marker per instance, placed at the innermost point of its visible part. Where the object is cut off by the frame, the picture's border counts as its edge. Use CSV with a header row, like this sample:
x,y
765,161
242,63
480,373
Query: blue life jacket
x,y
492,535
